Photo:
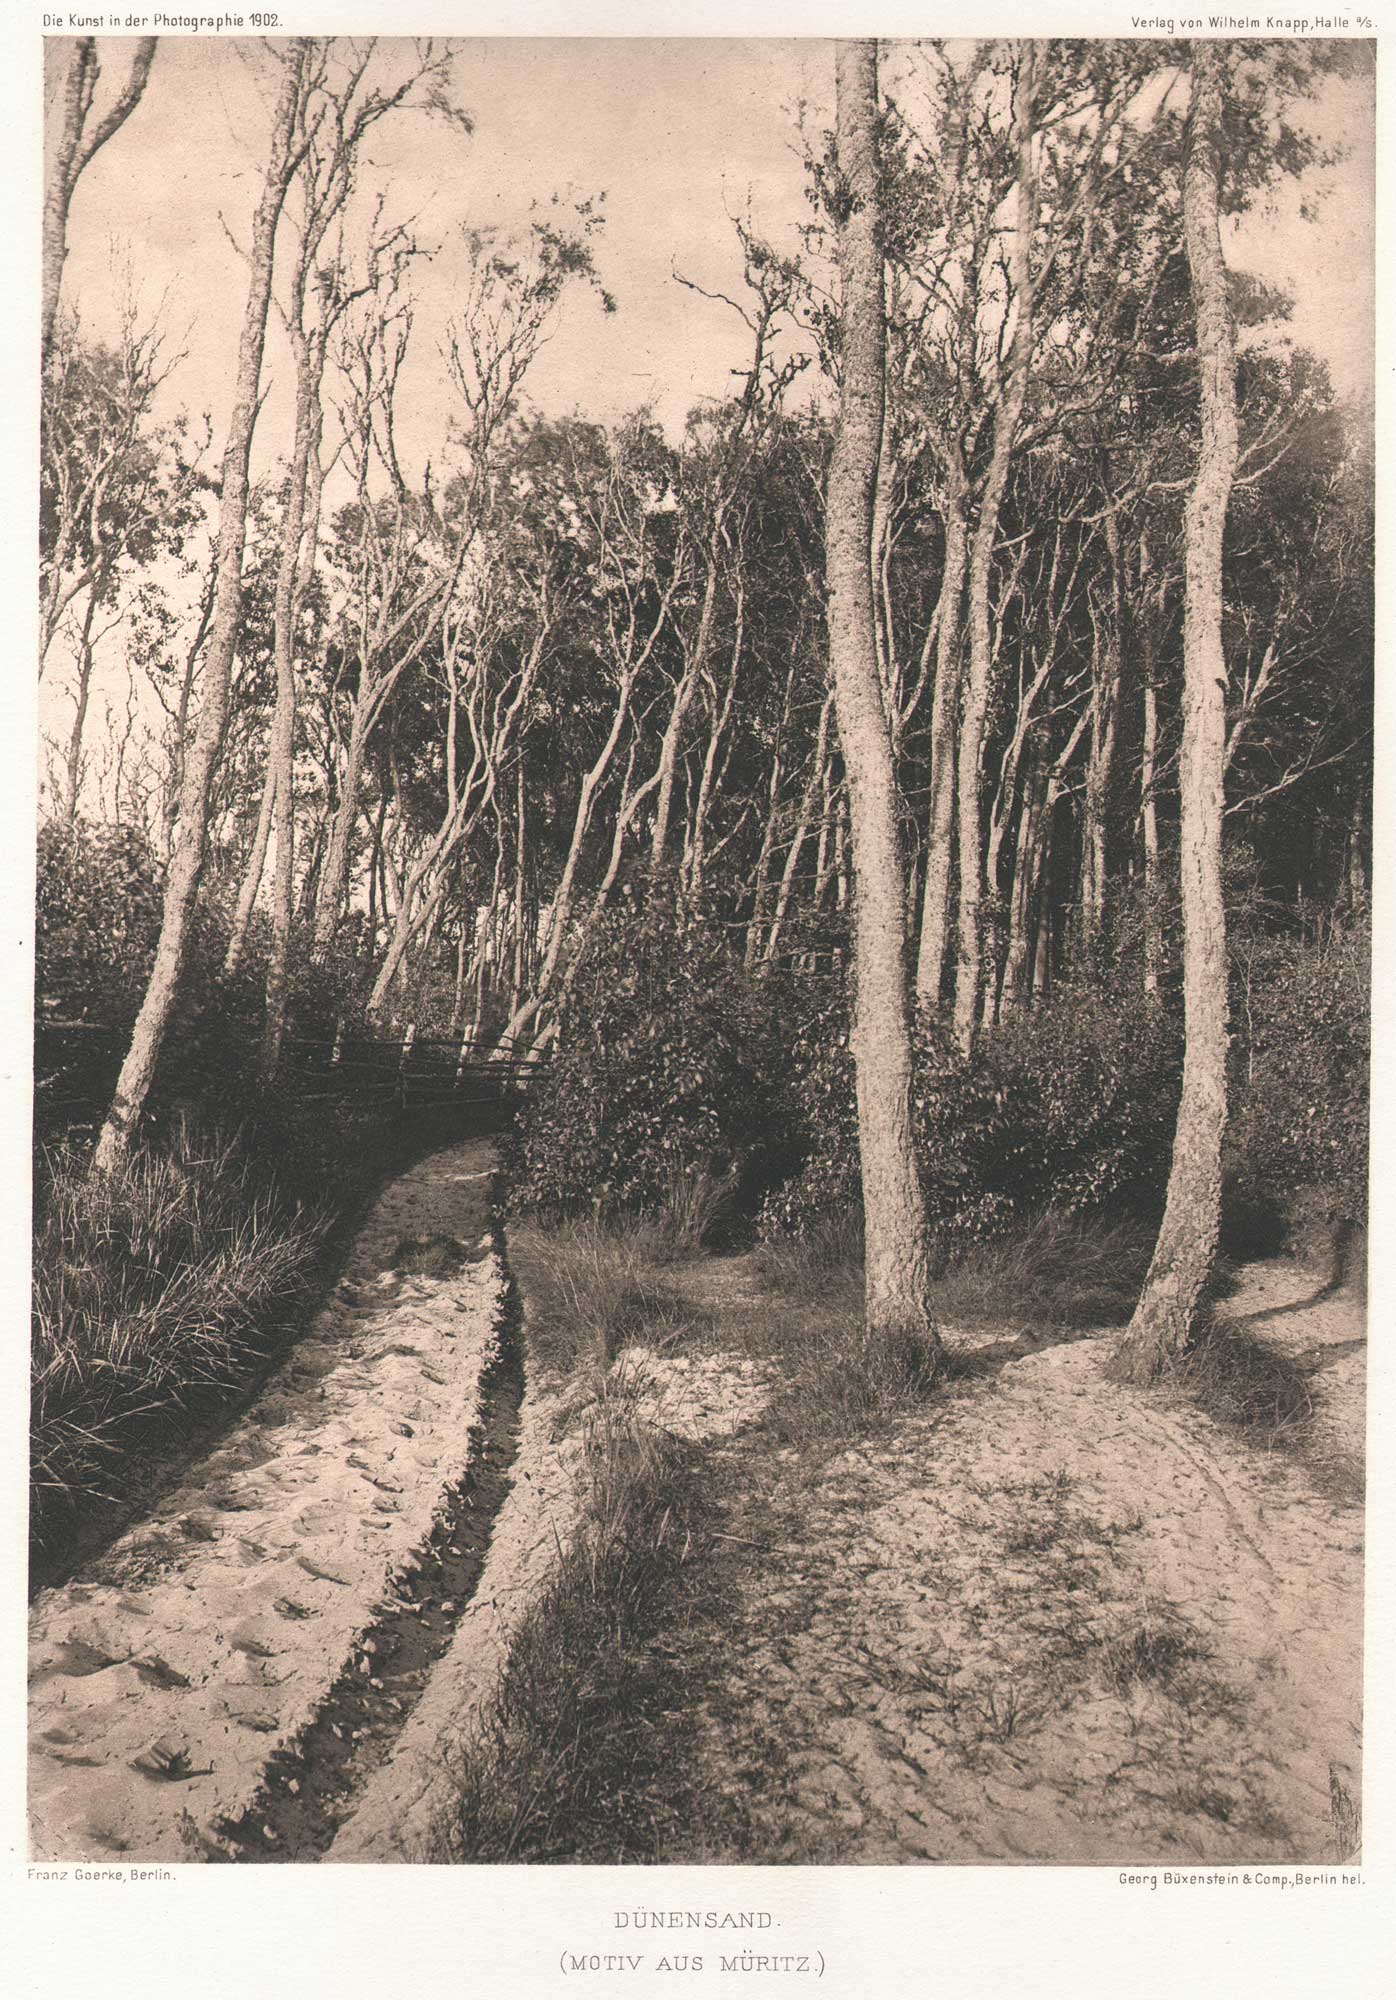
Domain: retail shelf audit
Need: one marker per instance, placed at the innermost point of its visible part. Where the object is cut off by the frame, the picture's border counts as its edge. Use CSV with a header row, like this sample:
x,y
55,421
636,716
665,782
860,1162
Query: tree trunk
x,y
760,881
560,916
897,1260
1148,783
945,717
138,1069
1027,869
72,781
1167,1313
252,874
1106,662
1007,418
334,872
801,834
708,783
520,885
73,154
693,668
296,561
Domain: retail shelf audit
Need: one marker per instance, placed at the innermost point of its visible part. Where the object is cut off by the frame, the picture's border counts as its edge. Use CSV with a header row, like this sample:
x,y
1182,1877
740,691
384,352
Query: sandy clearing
x,y
1055,1619
165,1676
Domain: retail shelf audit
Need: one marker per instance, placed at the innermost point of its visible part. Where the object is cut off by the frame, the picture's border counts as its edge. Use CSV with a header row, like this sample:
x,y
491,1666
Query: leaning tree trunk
x,y
252,874
897,1262
1166,1316
299,535
186,862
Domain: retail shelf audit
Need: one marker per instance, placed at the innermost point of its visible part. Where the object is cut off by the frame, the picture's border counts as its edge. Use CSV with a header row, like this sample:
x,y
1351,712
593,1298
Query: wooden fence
x,y
76,1065
417,1071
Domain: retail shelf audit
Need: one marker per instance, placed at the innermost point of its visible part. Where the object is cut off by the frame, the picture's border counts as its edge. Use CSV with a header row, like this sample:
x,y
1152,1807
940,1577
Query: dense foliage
x,y
670,1066
1069,1107
1303,1064
97,920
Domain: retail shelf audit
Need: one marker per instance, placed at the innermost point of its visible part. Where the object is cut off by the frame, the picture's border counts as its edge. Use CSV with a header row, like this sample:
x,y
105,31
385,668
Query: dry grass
x,y
572,1760
697,1209
594,1288
1052,1273
154,1288
1247,1384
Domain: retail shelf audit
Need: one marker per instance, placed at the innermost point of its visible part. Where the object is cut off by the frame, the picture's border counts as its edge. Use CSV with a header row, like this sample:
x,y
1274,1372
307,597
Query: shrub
x,y
1301,1073
1070,1106
664,1090
99,904
98,900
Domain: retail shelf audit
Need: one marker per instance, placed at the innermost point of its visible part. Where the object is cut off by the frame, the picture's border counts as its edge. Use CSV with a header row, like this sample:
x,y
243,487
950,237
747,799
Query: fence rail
x,y
75,1065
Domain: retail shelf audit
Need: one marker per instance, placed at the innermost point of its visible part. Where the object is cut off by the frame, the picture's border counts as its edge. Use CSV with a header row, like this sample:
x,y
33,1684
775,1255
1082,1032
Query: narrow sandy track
x,y
169,1677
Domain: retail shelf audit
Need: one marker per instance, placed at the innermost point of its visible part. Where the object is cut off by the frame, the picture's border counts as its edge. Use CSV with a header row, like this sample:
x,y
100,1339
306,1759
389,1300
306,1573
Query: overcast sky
x,y
678,133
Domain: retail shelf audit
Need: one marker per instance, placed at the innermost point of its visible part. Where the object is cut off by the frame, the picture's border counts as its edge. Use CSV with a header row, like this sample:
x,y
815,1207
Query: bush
x,y
98,898
666,1078
1069,1107
99,903
1301,1073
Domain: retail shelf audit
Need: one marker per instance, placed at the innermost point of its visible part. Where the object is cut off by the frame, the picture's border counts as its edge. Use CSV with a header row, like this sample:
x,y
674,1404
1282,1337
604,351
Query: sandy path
x,y
1056,1619
1324,1329
164,1677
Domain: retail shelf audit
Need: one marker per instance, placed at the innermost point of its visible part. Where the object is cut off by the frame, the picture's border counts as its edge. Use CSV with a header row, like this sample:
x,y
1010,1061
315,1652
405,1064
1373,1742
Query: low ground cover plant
x,y
154,1287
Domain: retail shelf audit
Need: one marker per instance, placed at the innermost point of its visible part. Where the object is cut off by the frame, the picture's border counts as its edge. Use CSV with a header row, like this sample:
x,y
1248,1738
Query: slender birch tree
x,y
1166,1316
186,862
897,1259
80,139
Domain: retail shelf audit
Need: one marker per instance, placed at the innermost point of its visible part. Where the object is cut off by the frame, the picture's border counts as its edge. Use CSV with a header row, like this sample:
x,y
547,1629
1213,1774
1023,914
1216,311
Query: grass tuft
x,y
697,1211
1247,1384
569,1762
1053,1272
154,1287
841,1379
594,1288
1154,1653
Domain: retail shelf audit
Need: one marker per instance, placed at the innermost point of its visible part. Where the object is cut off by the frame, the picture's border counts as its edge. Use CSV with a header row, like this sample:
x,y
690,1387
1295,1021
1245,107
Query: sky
x,y
680,134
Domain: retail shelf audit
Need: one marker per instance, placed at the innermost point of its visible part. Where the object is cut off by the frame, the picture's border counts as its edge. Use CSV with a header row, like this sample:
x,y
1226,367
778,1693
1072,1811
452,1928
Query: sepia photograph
x,y
702,958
